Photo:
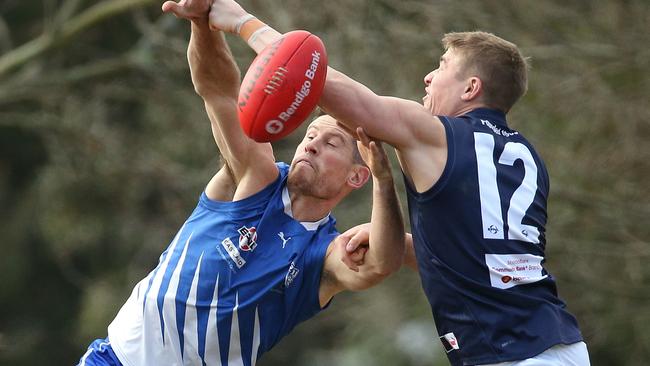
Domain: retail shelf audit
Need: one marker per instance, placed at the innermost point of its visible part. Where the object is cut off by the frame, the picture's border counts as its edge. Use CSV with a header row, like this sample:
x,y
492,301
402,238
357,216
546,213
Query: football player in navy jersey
x,y
259,253
477,195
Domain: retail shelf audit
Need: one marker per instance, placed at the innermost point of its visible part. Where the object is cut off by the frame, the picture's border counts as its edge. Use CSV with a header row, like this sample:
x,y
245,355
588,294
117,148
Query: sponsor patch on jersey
x,y
509,270
232,251
450,342
247,238
291,274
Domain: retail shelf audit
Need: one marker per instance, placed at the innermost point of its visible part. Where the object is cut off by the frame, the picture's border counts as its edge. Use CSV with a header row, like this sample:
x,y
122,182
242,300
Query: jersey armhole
x,y
250,201
315,261
446,172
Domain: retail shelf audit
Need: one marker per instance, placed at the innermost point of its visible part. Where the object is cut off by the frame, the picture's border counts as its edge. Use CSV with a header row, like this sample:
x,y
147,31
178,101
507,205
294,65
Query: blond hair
x,y
499,64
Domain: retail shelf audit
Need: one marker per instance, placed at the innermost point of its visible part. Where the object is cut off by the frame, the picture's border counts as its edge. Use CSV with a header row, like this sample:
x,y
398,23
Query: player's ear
x,y
473,89
358,176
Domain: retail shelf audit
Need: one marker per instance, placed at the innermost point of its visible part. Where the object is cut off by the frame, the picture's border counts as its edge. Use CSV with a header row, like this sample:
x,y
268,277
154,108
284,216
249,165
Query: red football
x,y
282,86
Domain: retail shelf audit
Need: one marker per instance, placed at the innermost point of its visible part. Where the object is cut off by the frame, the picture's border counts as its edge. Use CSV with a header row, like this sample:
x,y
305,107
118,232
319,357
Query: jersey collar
x,y
308,225
493,115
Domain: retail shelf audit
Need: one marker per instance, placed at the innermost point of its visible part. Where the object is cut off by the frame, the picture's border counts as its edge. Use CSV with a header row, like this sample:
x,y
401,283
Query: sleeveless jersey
x,y
237,277
479,237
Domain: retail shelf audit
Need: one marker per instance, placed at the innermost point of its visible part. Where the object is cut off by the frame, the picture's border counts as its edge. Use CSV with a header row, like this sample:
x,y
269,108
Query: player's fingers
x,y
363,137
360,238
378,152
351,264
358,255
353,244
377,147
174,8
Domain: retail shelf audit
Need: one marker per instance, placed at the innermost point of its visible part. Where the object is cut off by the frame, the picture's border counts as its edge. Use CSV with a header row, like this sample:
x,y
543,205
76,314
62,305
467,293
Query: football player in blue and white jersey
x,y
259,253
477,195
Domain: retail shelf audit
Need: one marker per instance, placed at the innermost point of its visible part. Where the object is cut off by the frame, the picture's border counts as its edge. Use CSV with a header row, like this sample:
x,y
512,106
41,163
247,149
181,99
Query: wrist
x,y
384,182
249,27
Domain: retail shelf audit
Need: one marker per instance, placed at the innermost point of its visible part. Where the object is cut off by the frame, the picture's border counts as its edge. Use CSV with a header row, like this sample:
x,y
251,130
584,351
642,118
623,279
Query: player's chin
x,y
300,176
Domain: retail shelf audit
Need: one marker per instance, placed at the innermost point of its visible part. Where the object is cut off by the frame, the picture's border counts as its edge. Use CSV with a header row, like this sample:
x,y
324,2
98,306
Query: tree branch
x,y
69,30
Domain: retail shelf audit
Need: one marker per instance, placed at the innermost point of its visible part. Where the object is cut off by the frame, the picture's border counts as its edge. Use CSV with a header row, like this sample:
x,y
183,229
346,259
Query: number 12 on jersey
x,y
522,198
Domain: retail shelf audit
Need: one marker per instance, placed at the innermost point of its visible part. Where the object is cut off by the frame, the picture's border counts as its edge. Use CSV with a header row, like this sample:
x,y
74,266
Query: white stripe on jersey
x,y
256,338
235,358
152,329
212,351
190,352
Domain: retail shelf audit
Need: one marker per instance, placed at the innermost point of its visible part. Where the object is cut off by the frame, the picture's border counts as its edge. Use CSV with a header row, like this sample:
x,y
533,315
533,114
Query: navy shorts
x,y
99,353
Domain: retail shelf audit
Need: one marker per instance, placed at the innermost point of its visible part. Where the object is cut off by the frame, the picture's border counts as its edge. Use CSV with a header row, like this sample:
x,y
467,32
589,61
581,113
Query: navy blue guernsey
x,y
479,237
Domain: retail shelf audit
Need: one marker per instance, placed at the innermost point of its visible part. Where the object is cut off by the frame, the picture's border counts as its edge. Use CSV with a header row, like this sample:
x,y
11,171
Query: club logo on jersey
x,y
247,238
291,274
450,342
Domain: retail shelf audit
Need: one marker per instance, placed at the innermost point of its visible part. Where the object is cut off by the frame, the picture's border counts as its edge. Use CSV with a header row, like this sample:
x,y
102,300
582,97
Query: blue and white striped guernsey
x,y
237,277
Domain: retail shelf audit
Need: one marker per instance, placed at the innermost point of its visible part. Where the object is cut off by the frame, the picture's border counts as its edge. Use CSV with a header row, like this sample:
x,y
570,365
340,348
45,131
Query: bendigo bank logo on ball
x,y
276,126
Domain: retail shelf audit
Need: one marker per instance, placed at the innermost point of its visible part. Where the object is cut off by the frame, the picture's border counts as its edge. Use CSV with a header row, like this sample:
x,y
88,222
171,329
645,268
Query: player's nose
x,y
428,77
311,147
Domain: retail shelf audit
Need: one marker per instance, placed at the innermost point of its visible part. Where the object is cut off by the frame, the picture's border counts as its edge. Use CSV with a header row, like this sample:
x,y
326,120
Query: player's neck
x,y
466,108
309,208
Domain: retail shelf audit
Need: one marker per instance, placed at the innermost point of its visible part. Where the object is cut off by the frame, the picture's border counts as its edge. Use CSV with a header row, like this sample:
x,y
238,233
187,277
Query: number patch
x,y
522,198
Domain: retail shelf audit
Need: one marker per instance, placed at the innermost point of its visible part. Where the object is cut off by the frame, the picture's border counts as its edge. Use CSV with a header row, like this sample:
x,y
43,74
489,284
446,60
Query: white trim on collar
x,y
310,226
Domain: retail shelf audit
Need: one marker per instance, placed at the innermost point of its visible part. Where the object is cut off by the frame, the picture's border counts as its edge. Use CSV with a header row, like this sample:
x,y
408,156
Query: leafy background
x,y
104,149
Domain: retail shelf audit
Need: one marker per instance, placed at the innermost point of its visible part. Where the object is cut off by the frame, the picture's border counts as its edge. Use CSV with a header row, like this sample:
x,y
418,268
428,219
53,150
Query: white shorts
x,y
559,355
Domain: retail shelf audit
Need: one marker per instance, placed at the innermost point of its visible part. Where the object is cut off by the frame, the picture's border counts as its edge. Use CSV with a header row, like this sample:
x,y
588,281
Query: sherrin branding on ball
x,y
282,86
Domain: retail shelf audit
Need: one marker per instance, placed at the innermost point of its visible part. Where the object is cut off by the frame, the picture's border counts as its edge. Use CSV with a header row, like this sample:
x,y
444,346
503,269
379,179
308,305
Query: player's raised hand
x,y
188,9
355,242
373,153
228,16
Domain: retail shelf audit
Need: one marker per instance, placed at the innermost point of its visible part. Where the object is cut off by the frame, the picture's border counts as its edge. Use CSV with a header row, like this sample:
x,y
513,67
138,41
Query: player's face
x,y
323,161
445,85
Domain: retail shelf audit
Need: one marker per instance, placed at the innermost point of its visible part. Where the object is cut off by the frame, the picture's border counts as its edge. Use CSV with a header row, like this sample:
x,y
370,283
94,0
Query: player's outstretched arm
x,y
385,252
408,126
391,120
216,79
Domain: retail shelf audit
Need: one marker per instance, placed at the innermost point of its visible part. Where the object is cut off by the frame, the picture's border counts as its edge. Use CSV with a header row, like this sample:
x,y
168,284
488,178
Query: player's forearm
x,y
213,70
386,247
409,253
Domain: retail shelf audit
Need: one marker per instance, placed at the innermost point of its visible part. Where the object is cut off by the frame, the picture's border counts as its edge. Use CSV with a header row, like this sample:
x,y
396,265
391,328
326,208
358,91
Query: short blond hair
x,y
498,63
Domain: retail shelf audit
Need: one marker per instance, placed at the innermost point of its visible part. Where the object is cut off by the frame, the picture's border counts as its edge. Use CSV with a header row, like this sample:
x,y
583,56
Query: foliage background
x,y
104,149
